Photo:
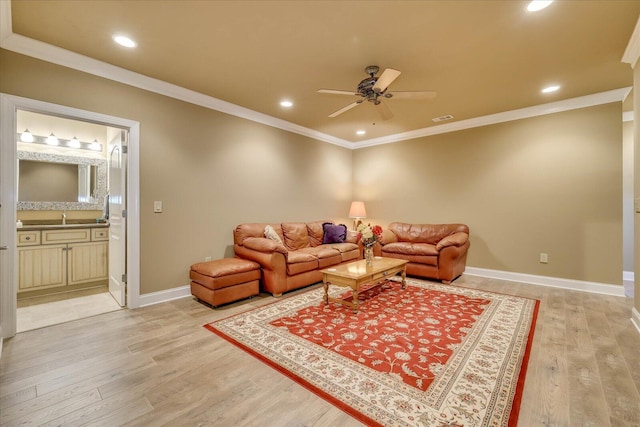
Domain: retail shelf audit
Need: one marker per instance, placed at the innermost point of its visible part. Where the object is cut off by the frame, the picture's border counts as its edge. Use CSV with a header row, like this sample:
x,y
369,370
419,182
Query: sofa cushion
x,y
334,233
314,229
409,248
300,262
425,233
270,233
295,235
421,253
325,254
253,229
415,259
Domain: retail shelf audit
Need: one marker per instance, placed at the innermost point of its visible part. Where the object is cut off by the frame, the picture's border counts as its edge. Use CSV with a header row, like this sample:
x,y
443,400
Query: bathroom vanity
x,y
57,258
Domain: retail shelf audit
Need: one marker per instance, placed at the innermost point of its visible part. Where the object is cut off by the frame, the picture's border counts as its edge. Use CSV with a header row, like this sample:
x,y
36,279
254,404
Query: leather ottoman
x,y
225,280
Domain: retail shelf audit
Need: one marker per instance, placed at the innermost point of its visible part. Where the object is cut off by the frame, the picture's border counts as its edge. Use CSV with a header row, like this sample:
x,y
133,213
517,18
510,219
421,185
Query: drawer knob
x,y
27,238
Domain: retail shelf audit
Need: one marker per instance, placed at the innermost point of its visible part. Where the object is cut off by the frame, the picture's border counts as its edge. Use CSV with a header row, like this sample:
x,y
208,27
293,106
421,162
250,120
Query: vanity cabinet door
x,y
88,262
42,267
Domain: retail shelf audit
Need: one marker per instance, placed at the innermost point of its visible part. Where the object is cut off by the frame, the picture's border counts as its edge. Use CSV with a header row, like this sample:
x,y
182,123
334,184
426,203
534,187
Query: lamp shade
x,y
357,210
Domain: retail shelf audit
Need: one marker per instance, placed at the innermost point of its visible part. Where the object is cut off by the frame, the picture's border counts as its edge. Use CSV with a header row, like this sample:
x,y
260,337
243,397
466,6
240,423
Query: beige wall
x,y
212,171
546,184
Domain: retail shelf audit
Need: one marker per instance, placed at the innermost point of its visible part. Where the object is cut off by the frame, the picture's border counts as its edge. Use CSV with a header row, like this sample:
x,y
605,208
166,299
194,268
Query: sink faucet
x,y
64,217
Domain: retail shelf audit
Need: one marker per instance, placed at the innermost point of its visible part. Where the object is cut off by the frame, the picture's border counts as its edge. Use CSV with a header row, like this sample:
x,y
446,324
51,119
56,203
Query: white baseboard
x,y
635,318
164,296
555,282
628,276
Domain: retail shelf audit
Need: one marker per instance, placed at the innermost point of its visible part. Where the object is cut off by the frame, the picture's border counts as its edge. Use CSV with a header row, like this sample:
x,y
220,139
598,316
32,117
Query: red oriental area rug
x,y
427,355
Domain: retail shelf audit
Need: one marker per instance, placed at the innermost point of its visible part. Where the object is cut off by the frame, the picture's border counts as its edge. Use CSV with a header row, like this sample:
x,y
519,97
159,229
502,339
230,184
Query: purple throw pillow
x,y
334,233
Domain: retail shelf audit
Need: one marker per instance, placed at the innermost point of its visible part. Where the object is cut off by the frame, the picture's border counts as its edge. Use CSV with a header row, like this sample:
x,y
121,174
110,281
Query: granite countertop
x,y
56,224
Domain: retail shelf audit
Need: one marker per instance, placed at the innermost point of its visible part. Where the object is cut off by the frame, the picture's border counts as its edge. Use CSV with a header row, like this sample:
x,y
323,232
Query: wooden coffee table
x,y
356,274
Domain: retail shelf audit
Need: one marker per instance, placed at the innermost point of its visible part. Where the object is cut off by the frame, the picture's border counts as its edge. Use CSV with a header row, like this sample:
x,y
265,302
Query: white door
x,y
117,218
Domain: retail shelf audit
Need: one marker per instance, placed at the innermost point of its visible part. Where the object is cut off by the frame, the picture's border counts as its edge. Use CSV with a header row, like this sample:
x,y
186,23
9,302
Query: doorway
x,y
65,170
129,253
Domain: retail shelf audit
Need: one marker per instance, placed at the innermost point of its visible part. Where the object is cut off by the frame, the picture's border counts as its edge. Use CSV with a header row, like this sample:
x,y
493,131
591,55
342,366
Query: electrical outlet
x,y
207,258
544,258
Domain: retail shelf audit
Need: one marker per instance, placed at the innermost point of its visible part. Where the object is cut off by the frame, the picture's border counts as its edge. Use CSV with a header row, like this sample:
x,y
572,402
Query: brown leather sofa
x,y
434,251
297,261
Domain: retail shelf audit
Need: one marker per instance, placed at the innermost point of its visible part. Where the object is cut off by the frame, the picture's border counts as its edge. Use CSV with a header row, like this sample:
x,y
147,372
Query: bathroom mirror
x,y
59,182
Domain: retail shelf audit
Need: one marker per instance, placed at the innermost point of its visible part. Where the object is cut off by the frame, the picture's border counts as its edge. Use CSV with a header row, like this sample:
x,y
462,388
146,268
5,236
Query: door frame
x,y
9,104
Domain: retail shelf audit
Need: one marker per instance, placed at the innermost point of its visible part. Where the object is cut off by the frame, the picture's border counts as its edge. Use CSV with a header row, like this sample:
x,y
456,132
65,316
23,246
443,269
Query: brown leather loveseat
x,y
296,261
434,251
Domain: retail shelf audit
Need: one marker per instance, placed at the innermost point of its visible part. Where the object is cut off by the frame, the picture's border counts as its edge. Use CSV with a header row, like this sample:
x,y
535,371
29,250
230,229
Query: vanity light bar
x,y
71,143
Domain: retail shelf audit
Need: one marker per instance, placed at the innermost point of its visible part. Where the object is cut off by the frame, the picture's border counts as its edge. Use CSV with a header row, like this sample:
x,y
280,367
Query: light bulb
x,y
52,139
537,5
74,143
95,145
26,136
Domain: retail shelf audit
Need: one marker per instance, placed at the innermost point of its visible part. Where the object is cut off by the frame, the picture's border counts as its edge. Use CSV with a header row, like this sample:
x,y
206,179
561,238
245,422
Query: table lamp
x,y
357,212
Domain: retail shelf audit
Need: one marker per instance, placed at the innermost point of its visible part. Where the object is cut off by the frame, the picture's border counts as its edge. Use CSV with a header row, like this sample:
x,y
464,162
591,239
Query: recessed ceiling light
x,y
286,104
361,132
537,5
550,89
124,41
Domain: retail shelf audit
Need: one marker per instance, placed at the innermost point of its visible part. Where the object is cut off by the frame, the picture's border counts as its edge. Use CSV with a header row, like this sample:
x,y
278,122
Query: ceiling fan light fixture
x,y
286,103
537,5
124,41
550,89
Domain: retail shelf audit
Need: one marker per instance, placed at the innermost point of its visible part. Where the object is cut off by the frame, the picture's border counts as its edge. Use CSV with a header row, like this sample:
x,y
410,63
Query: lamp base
x,y
356,223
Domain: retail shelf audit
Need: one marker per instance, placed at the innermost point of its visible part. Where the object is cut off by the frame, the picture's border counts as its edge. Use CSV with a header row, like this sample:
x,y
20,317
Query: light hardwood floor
x,y
158,366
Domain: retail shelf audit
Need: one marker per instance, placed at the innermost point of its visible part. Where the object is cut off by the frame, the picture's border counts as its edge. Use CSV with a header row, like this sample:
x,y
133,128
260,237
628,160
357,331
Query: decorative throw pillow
x,y
334,233
270,233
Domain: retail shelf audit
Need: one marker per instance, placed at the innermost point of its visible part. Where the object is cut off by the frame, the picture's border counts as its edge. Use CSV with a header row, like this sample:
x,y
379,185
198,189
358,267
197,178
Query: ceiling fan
x,y
371,88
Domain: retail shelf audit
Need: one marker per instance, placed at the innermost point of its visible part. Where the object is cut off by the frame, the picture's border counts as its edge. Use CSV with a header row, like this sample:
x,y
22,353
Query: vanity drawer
x,y
29,238
66,236
99,234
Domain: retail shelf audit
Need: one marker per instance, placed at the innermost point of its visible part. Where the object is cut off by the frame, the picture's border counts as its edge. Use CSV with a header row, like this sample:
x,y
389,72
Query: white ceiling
x,y
482,57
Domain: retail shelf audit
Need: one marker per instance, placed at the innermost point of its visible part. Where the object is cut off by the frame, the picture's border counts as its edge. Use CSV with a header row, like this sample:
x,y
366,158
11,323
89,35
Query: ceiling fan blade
x,y
387,77
384,111
347,108
423,94
336,92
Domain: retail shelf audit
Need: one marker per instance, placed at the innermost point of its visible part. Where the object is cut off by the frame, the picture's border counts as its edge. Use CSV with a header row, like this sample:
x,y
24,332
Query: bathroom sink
x,y
51,224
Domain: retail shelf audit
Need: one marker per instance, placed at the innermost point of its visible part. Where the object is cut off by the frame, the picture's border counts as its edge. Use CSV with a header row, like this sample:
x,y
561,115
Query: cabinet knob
x,y
27,238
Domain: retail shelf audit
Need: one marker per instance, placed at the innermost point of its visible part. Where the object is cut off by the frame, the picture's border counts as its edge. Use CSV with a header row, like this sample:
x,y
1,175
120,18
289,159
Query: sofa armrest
x,y
455,239
262,244
387,237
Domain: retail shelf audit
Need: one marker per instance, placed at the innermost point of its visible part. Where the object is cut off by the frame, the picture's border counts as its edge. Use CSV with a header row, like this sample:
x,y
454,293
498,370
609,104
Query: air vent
x,y
443,118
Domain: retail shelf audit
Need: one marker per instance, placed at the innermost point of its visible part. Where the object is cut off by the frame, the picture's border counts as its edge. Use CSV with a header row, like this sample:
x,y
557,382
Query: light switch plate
x,y
638,205
157,206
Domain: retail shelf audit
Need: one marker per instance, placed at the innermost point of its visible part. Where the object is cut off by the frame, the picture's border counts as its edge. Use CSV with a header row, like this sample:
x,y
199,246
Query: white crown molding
x,y
615,95
56,55
554,282
632,52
